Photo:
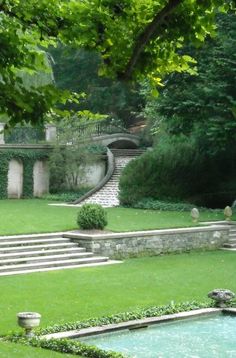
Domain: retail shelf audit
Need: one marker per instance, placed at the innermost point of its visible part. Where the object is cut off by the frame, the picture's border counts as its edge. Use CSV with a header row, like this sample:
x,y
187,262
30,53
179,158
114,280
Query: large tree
x,y
77,71
136,38
204,105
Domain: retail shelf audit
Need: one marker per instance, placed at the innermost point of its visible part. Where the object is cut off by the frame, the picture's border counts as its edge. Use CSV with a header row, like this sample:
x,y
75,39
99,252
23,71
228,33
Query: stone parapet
x,y
153,242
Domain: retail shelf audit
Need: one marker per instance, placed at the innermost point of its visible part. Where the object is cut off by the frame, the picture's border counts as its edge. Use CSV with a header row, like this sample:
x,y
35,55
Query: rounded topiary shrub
x,y
92,216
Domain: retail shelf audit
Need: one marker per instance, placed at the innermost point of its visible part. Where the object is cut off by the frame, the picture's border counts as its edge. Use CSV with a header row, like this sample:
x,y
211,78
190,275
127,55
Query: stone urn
x,y
195,215
28,321
228,213
221,296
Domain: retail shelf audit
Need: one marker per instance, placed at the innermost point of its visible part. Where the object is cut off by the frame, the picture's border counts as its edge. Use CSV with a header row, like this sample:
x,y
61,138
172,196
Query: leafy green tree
x,y
204,105
68,158
135,38
77,71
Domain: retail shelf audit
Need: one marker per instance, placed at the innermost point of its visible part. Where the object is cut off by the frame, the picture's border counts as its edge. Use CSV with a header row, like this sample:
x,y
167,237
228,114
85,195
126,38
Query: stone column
x,y
2,125
51,132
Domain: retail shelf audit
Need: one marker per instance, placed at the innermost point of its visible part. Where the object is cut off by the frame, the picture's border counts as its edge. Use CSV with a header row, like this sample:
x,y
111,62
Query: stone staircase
x,y
35,253
231,244
107,196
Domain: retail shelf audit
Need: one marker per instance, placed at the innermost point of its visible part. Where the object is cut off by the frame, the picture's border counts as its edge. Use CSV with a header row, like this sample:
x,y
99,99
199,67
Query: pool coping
x,y
136,324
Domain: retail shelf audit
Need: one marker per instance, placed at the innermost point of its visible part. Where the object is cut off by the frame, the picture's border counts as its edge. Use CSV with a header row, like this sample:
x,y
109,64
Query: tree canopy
x,y
77,71
204,105
136,38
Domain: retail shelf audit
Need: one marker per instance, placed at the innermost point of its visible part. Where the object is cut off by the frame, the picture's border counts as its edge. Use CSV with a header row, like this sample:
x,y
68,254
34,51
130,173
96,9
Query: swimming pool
x,y
204,337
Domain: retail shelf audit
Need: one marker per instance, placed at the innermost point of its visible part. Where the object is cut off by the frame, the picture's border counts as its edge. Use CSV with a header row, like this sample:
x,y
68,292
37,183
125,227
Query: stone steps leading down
x,y
107,196
36,253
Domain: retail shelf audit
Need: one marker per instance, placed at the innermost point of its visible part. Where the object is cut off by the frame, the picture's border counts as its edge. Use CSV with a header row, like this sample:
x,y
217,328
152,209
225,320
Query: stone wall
x,y
155,242
93,172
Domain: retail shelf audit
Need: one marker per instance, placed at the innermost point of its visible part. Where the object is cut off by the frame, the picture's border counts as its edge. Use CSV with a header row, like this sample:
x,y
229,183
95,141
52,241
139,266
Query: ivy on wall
x,y
28,157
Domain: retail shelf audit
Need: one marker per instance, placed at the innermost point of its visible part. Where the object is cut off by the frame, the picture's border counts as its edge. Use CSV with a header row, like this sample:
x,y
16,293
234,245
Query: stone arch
x,y
123,144
119,141
15,179
41,178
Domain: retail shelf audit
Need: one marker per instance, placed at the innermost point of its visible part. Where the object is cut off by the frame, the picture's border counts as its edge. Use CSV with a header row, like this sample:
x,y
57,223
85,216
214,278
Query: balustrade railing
x,y
24,135
49,133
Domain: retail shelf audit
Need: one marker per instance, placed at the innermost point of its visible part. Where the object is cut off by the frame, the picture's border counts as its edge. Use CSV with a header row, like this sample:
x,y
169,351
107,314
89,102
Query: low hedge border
x,y
78,348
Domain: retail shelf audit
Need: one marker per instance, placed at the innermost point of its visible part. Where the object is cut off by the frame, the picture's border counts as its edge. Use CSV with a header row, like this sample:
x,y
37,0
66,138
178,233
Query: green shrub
x,y
177,171
92,216
66,196
149,203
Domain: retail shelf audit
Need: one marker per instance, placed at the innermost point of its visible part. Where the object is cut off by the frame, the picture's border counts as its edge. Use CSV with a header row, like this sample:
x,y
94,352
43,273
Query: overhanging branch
x,y
147,35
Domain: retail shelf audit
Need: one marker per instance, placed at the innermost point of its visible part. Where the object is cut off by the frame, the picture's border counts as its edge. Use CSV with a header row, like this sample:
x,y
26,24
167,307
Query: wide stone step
x,y
127,152
48,264
32,270
36,252
37,247
21,242
228,245
30,259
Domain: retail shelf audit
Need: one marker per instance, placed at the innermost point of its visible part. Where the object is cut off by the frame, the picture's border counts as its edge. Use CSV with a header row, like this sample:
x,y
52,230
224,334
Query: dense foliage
x,y
77,71
69,158
204,105
92,216
197,114
134,38
176,170
152,204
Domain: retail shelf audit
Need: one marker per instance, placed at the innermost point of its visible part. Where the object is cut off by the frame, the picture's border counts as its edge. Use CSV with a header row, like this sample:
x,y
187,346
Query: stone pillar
x,y
41,178
2,125
15,179
51,132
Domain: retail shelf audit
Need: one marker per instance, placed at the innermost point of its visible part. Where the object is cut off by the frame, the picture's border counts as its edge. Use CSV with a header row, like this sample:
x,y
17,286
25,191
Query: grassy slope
x,y
32,216
77,294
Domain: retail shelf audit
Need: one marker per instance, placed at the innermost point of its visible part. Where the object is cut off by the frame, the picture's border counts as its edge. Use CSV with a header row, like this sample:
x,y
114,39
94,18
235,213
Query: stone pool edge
x,y
135,324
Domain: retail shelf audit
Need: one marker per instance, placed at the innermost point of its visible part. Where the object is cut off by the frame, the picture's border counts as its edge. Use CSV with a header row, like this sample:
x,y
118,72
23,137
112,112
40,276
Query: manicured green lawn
x,y
11,350
70,295
35,216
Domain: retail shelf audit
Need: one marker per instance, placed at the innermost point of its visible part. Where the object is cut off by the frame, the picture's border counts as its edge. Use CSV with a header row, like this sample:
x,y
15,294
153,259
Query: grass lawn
x,y
11,350
35,216
77,294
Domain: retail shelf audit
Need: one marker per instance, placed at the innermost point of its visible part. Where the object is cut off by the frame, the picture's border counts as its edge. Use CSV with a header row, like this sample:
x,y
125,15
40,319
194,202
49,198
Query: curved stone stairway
x,y
107,196
46,252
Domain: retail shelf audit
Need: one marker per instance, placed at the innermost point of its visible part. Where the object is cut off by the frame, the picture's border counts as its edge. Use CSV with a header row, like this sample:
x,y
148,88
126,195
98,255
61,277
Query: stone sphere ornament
x,y
28,321
221,296
228,213
195,215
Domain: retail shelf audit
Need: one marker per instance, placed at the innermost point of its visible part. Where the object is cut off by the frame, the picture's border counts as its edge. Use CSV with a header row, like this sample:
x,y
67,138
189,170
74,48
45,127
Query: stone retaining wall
x,y
155,242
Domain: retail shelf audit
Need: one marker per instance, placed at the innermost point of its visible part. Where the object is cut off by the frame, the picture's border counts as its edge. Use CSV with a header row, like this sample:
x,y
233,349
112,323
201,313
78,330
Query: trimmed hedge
x,y
180,172
67,346
141,313
152,204
92,216
28,158
66,196
78,348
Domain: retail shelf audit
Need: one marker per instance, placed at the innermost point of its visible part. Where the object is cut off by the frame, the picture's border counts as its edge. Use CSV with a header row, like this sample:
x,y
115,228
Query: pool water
x,y
208,337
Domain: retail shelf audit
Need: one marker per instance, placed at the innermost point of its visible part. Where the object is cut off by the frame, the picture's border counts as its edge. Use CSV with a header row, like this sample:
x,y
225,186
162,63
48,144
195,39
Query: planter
x,y
28,321
221,296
